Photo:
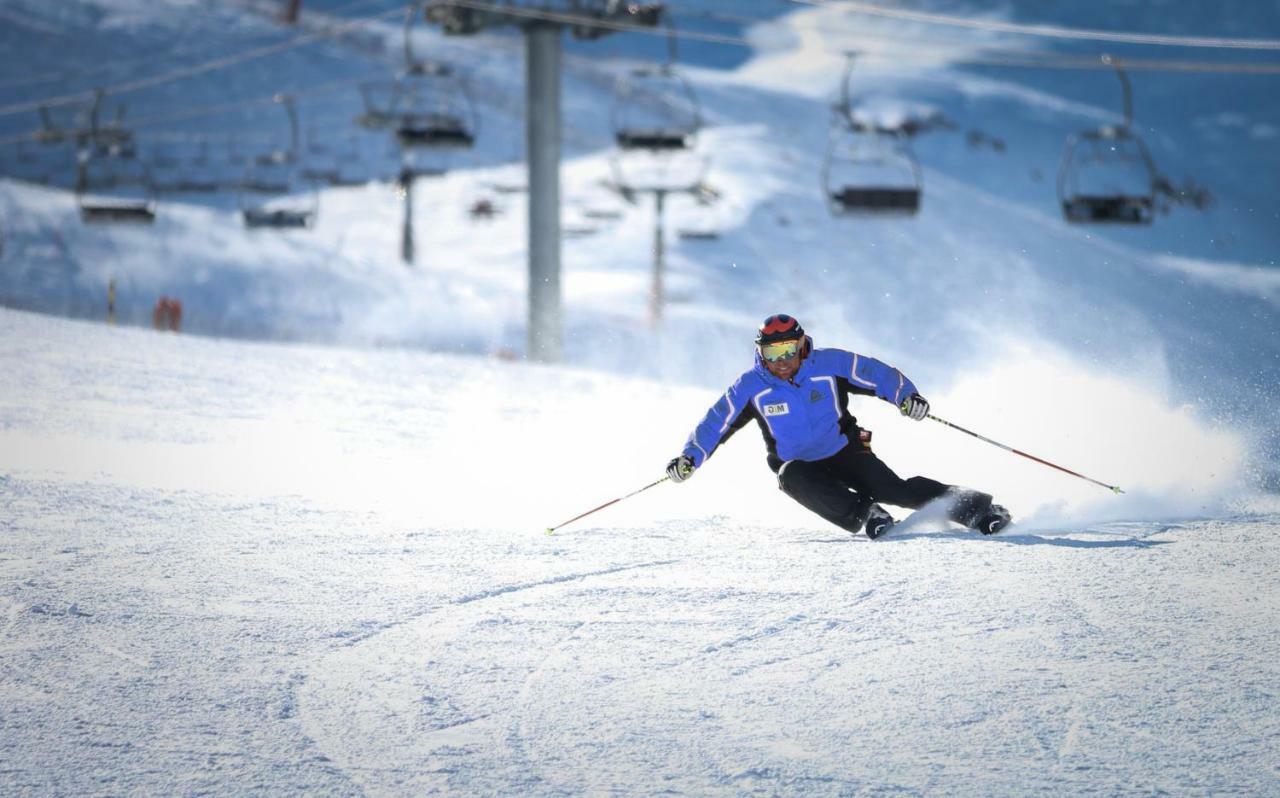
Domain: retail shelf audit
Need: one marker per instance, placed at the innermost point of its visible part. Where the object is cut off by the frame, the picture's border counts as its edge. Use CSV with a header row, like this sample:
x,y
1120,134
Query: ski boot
x,y
993,520
878,522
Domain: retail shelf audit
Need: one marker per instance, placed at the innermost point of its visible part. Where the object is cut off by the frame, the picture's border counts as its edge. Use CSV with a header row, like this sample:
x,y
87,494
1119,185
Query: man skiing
x,y
799,397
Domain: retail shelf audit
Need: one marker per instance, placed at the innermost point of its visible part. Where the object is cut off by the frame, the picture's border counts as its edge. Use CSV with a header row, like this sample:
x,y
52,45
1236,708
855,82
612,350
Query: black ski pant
x,y
842,487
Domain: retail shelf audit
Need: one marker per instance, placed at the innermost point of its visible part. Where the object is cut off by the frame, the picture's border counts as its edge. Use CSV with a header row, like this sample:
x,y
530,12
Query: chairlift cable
x,y
196,112
1053,62
1047,31
917,55
198,69
914,47
175,54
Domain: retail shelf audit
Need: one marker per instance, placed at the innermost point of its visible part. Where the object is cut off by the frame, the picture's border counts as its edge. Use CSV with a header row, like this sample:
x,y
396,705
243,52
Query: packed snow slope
x,y
238,567
244,568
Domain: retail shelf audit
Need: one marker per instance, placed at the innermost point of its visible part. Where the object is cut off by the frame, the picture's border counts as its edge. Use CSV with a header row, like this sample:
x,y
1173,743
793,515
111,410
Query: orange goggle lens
x,y
781,350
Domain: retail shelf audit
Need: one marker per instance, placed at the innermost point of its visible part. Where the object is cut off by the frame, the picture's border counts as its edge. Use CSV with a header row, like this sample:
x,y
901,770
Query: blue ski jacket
x,y
804,418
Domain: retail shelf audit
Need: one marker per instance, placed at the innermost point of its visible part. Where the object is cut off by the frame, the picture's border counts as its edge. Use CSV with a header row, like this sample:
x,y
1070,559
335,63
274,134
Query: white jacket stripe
x,y
854,374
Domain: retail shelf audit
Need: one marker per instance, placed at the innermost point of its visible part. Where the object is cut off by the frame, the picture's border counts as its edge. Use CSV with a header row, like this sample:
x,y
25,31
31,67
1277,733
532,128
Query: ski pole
x,y
1112,488
551,529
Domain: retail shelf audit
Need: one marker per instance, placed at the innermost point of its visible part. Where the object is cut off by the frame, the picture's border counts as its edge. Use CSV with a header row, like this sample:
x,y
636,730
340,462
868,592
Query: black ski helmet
x,y
779,327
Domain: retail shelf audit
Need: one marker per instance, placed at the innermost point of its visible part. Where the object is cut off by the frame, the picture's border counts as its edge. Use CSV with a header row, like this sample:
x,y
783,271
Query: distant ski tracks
x,y
499,591
371,691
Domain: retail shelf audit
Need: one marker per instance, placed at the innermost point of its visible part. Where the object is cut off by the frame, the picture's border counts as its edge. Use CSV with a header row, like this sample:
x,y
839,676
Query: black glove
x,y
680,468
915,406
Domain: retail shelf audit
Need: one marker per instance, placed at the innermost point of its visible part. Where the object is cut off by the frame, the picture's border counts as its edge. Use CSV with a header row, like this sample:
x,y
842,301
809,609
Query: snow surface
x,y
237,568
240,568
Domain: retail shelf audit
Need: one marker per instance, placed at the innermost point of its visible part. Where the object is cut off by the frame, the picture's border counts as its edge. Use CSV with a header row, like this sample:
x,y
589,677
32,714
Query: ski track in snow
x,y
339,609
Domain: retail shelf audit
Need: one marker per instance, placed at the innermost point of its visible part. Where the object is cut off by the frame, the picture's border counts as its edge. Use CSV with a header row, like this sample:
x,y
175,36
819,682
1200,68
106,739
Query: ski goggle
x,y
780,350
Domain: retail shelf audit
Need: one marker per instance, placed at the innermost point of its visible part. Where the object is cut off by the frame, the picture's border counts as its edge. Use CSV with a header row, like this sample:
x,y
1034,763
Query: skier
x,y
799,397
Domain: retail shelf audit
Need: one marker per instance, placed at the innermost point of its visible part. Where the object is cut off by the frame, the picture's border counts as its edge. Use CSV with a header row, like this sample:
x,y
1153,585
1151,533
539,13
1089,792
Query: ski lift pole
x,y
551,529
1113,488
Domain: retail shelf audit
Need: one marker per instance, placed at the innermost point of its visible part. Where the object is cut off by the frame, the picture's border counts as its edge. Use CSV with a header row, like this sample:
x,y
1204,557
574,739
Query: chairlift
x,y
269,197
278,218
288,210
871,173
698,234
656,110
434,108
427,106
869,170
1107,176
114,188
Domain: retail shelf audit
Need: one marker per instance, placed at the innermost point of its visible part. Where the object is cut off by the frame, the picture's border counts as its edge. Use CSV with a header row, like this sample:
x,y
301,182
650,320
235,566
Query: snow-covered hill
x,y
244,568
315,563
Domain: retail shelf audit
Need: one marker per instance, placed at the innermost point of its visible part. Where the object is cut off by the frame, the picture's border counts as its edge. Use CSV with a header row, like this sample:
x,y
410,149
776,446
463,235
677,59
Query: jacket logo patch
x,y
779,409
814,395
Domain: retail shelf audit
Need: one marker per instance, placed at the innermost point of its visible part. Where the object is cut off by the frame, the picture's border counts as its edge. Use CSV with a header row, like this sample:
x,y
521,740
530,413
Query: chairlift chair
x,y
269,198
698,234
871,173
287,211
426,106
656,110
869,170
1107,176
434,109
115,189
277,218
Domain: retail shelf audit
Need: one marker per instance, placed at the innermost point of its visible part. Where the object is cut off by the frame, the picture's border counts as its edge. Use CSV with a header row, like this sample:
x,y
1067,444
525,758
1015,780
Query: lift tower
x,y
542,22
